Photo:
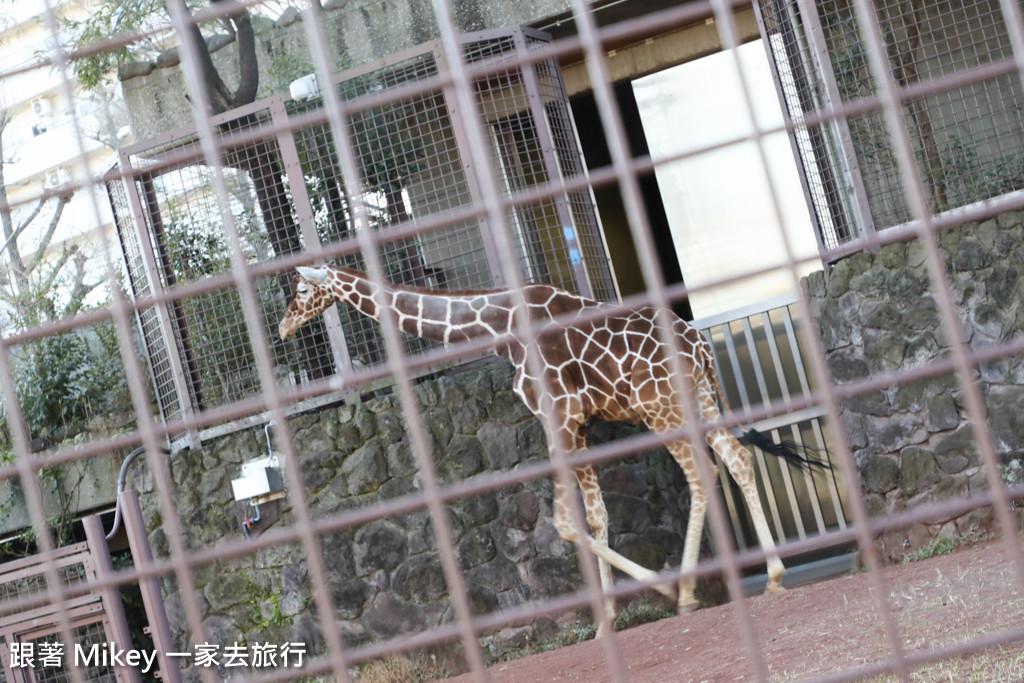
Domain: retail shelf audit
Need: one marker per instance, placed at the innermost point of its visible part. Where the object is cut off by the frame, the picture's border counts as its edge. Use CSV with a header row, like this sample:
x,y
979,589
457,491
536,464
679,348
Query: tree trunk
x,y
262,161
904,65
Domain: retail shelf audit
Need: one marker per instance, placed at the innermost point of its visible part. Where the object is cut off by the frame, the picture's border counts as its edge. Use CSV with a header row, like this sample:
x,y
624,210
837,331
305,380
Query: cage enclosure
x,y
287,194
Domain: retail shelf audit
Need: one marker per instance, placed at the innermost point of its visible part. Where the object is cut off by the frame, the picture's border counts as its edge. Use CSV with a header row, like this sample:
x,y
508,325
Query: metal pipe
x,y
121,479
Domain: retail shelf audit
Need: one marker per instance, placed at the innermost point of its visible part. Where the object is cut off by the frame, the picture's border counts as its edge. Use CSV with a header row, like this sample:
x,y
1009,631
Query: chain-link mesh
x,y
417,514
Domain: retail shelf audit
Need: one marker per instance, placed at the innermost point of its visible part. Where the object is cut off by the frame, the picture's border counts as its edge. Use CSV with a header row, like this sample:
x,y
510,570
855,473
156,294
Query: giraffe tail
x,y
801,457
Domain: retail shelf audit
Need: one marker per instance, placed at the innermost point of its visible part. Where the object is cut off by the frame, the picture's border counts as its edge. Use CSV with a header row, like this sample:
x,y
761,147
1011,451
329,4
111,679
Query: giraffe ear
x,y
317,275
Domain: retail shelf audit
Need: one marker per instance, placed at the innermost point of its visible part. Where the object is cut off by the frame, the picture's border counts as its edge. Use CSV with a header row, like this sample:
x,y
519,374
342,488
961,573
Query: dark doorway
x,y
609,198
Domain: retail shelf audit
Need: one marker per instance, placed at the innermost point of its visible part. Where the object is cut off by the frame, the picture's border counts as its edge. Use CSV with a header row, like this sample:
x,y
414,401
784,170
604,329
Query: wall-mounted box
x,y
260,479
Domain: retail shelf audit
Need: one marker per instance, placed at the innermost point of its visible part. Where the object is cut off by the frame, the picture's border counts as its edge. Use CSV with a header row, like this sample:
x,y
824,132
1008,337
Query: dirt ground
x,y
821,629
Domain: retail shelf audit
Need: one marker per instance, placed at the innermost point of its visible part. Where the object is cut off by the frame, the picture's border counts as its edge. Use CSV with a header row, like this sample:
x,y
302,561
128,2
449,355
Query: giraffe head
x,y
312,297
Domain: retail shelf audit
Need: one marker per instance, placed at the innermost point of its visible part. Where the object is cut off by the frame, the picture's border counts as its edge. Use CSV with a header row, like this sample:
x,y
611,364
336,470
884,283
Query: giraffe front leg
x,y
597,519
684,455
598,545
568,532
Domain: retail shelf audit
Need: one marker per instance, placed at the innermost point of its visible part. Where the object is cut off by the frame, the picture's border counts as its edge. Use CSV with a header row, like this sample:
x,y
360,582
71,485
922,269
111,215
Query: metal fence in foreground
x,y
869,133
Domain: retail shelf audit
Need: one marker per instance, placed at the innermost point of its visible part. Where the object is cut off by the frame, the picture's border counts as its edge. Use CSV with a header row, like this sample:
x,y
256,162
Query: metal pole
x,y
142,555
113,609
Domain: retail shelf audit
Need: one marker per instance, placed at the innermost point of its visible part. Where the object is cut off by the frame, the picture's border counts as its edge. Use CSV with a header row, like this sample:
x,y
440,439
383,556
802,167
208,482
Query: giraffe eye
x,y
303,290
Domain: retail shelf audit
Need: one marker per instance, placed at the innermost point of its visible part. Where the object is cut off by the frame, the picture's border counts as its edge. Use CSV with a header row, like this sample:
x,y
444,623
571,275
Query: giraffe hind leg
x,y
738,461
597,519
573,438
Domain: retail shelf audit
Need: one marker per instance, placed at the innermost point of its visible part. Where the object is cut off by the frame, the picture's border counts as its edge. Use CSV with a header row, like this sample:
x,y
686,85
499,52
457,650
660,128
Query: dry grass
x,y
956,607
944,597
404,669
986,666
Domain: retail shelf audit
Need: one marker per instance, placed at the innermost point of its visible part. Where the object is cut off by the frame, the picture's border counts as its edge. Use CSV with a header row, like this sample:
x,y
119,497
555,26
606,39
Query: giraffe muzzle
x,y
287,328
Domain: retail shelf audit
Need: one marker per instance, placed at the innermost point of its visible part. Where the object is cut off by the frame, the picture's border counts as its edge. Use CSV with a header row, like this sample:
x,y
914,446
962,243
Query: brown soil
x,y
820,629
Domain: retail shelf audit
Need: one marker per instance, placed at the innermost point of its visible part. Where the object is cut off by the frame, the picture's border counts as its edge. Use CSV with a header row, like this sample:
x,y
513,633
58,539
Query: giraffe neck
x,y
449,317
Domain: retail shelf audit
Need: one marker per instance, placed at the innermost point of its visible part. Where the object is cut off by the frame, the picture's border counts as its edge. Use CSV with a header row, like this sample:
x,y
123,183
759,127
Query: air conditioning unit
x,y
41,106
57,178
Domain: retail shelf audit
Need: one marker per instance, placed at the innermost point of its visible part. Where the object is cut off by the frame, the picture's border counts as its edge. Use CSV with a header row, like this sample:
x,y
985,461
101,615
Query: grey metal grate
x,y
966,133
761,362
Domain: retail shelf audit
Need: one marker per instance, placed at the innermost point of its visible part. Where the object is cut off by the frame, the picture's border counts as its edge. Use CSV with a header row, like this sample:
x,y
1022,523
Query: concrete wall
x,y
74,487
357,31
877,315
385,576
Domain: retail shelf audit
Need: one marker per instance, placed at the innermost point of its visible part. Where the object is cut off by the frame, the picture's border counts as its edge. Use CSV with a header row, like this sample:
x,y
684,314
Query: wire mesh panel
x,y
17,582
585,240
964,136
827,165
160,364
185,243
90,639
534,143
410,167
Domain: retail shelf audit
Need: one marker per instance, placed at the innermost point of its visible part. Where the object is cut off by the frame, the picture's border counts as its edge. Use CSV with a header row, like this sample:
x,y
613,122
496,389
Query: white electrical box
x,y
305,88
260,479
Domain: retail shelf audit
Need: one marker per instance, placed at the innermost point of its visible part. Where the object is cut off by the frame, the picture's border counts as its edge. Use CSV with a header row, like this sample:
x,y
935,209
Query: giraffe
x,y
613,367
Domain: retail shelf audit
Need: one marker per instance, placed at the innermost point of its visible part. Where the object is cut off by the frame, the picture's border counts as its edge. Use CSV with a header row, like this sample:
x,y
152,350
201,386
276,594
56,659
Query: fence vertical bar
x,y
151,273
113,610
856,195
152,600
304,212
548,152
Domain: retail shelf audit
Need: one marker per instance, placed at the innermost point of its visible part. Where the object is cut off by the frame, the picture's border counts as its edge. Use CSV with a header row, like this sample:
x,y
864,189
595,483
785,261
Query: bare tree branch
x,y
31,217
44,243
20,279
79,287
47,284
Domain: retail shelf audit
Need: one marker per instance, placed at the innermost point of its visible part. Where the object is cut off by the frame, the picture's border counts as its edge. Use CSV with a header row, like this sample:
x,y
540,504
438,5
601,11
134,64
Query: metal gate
x,y
761,364
32,644
45,630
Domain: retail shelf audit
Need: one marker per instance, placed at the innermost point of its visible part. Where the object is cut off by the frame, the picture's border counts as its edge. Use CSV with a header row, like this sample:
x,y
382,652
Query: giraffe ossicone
x,y
614,367
312,274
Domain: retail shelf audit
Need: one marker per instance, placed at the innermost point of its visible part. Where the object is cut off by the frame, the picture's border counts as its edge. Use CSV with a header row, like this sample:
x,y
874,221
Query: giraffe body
x,y
612,367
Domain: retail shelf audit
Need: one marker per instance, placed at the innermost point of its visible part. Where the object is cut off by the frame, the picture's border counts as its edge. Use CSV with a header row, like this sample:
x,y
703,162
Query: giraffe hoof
x,y
687,606
774,587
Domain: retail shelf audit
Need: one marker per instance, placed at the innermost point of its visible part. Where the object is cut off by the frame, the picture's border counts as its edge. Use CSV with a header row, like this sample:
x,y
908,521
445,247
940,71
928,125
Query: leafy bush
x,y
52,377
65,379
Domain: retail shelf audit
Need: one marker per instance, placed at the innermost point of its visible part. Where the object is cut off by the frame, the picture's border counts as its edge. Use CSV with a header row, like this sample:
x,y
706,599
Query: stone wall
x,y
385,576
876,314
